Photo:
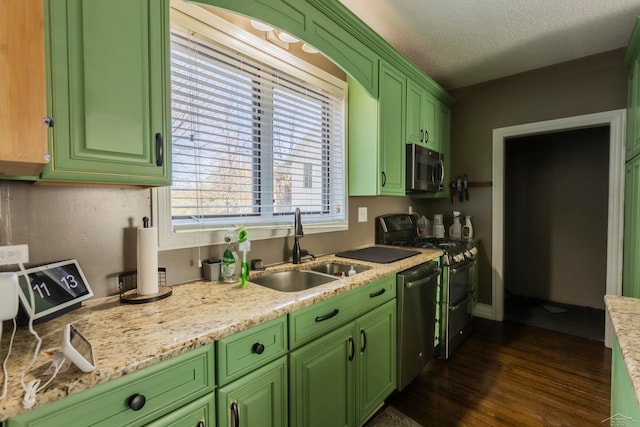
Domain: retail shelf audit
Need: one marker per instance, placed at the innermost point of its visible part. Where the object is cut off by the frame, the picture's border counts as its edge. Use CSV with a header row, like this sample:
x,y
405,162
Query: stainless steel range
x,y
459,263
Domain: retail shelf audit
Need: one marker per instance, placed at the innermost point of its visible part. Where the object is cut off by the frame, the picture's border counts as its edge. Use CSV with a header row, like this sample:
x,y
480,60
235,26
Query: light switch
x,y
362,214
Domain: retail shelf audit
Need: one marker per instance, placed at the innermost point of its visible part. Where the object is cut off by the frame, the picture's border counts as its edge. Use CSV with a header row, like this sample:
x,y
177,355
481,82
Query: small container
x,y
211,270
467,229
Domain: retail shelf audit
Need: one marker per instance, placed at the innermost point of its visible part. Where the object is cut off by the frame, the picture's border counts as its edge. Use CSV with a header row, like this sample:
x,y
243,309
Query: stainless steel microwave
x,y
425,170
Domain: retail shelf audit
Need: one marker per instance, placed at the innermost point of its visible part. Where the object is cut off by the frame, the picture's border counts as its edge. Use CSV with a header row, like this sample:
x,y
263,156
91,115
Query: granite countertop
x,y
625,317
127,337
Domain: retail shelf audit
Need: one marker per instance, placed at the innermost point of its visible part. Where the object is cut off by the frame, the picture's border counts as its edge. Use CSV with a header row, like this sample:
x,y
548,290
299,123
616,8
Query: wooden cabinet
x,y
377,135
257,399
159,390
108,91
340,378
624,403
423,113
23,134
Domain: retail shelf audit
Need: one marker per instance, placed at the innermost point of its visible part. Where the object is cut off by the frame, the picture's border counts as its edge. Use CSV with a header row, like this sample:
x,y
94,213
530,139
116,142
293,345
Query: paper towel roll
x,y
147,261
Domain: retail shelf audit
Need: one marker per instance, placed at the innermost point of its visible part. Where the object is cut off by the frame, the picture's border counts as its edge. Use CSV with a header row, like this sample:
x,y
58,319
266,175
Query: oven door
x,y
458,306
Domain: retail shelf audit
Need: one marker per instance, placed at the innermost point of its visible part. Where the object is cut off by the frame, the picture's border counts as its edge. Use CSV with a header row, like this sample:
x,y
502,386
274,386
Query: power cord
x,y
6,359
33,387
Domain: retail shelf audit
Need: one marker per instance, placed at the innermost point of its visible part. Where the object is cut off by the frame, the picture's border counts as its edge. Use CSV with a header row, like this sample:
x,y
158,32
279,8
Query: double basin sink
x,y
300,280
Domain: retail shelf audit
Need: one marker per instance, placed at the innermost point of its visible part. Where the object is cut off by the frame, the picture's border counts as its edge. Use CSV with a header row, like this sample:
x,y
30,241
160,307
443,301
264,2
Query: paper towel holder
x,y
128,288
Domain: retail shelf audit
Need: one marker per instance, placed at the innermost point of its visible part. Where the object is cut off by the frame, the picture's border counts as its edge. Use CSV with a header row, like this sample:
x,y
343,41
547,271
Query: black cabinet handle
x,y
352,349
48,121
426,136
235,414
201,424
159,150
384,179
363,341
377,294
137,401
421,135
258,348
327,316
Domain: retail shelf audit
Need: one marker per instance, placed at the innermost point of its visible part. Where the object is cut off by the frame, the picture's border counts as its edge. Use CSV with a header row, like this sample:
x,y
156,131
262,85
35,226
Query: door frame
x,y
616,120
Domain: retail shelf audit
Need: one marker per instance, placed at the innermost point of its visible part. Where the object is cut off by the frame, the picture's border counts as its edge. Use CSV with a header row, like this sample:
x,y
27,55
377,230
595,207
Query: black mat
x,y
378,254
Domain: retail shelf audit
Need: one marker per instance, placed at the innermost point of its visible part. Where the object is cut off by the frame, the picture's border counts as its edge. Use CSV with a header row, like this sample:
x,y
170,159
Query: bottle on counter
x,y
467,229
455,231
228,266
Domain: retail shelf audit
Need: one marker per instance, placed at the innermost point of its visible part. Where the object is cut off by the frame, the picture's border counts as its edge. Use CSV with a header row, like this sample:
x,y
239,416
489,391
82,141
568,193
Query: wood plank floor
x,y
508,374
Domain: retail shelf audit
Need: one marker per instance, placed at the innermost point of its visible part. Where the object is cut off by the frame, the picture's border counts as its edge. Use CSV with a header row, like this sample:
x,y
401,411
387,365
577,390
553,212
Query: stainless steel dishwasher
x,y
416,290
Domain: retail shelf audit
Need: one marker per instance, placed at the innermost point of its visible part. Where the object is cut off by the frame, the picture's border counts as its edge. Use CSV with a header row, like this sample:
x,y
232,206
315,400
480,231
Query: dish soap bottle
x,y
455,231
228,266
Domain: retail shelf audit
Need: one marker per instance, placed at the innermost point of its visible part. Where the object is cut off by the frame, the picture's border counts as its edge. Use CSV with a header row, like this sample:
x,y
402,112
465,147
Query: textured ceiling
x,y
464,42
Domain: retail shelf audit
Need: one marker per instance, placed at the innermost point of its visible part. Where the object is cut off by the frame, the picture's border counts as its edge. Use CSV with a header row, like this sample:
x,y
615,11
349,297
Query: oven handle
x,y
461,303
462,267
423,281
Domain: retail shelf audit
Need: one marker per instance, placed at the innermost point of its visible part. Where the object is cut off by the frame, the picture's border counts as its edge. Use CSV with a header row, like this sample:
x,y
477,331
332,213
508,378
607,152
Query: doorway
x,y
616,122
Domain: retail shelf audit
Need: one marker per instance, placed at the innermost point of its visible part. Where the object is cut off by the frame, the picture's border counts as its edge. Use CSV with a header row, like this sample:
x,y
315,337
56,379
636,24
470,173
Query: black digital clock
x,y
56,289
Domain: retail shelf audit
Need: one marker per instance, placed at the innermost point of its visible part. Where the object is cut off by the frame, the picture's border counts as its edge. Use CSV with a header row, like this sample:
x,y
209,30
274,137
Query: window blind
x,y
249,142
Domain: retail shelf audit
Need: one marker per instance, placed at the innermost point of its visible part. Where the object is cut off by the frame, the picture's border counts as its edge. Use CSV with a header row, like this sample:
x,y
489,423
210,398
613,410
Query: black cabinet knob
x,y
201,424
137,401
258,348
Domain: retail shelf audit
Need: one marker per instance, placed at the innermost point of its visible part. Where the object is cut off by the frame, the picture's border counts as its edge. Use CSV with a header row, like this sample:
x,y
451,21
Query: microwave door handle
x,y
441,171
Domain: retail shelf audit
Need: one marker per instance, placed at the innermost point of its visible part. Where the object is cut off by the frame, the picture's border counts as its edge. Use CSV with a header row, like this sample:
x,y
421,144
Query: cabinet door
x,y
431,108
200,413
633,111
624,405
108,92
415,101
376,359
321,381
258,399
631,243
23,135
391,113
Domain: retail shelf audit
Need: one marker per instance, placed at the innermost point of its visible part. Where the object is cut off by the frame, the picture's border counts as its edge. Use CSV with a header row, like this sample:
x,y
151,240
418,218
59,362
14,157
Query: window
x,y
253,137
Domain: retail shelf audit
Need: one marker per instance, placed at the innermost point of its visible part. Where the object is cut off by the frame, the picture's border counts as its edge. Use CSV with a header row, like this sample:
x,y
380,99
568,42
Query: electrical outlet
x,y
362,214
14,254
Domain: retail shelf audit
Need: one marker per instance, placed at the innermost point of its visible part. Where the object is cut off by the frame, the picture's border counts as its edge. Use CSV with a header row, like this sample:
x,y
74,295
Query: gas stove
x,y
402,230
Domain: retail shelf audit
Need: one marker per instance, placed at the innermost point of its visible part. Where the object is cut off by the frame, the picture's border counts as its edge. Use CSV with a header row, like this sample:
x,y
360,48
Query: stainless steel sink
x,y
337,269
293,280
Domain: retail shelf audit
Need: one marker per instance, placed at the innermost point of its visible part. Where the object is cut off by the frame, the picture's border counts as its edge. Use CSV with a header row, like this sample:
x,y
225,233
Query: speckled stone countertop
x,y
625,317
127,337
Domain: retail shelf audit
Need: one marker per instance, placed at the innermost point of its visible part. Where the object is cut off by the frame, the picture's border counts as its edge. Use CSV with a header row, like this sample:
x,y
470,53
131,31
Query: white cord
x,y
6,359
32,388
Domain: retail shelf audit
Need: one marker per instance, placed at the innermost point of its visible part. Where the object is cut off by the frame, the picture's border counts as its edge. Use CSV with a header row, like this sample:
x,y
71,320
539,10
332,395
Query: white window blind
x,y
251,143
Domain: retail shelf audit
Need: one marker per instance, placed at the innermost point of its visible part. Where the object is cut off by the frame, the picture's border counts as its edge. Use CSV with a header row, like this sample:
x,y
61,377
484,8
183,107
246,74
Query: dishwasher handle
x,y
422,281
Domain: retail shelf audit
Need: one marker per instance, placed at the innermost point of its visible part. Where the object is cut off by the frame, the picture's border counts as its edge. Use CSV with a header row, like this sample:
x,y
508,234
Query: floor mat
x,y
569,319
391,417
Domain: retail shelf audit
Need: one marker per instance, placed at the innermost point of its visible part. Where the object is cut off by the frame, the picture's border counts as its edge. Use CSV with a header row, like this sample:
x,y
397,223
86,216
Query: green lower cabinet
x,y
321,380
258,399
624,403
201,413
341,378
376,361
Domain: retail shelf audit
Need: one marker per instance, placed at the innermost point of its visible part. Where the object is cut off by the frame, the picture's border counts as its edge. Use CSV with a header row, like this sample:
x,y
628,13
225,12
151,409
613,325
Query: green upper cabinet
x,y
377,136
422,117
108,91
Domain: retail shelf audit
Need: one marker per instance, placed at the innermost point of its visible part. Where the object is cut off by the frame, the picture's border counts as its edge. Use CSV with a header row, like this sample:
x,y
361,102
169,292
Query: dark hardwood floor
x,y
508,374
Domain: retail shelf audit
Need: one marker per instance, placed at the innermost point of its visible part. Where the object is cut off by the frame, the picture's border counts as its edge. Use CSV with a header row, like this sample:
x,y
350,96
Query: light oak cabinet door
x,y
23,134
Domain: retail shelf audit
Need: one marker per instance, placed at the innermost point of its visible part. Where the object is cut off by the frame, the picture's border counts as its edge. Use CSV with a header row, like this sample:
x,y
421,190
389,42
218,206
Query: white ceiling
x,y
464,42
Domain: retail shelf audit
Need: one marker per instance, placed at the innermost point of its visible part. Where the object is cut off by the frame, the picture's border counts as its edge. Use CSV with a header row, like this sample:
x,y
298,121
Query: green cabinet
x,y
423,111
257,399
341,378
108,91
624,403
631,242
200,413
162,389
377,136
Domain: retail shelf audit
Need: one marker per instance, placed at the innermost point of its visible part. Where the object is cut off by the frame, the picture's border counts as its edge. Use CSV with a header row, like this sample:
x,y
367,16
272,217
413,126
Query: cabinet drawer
x,y
318,319
248,350
166,387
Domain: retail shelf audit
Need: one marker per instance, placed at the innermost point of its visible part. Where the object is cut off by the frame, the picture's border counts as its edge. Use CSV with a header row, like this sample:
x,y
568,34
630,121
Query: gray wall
x,y
97,226
588,85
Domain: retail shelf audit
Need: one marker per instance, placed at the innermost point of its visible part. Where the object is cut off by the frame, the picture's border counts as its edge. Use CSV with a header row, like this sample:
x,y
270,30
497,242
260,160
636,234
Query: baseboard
x,y
483,310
